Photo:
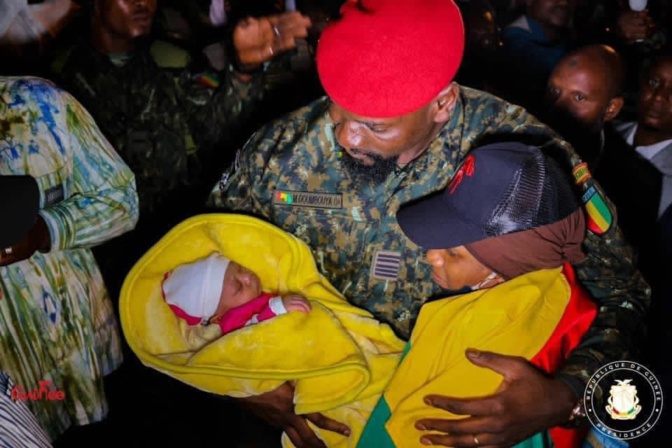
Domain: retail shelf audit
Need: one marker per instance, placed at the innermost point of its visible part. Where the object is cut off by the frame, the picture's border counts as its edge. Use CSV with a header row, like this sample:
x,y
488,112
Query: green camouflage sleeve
x,y
219,105
235,190
609,273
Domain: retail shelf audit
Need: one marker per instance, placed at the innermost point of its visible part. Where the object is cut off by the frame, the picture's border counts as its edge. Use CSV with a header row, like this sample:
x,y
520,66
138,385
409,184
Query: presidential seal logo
x,y
623,400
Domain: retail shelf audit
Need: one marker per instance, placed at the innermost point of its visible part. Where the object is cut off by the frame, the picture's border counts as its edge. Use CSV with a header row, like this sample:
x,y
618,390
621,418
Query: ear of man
x,y
613,108
445,103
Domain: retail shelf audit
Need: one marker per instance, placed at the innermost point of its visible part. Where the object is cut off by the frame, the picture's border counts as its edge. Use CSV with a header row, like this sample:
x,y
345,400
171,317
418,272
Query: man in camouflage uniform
x,y
335,178
165,120
172,126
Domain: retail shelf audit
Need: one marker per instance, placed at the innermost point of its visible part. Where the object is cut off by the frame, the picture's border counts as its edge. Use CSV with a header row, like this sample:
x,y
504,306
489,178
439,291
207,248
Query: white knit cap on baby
x,y
192,290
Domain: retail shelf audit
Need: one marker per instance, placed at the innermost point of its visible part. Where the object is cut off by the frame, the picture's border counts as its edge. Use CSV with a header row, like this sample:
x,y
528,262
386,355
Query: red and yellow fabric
x,y
540,316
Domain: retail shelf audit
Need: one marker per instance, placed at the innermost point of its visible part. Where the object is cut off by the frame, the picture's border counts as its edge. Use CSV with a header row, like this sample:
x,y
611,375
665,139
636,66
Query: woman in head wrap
x,y
505,232
507,212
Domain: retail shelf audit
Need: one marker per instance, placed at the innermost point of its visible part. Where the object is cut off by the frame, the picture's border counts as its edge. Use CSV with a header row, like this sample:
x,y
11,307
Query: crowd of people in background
x,y
128,112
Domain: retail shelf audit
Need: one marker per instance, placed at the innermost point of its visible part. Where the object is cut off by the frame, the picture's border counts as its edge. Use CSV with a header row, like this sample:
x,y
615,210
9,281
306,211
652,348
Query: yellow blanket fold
x,y
340,356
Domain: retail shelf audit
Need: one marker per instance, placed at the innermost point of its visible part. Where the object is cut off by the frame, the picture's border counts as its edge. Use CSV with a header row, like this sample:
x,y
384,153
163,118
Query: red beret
x,y
387,58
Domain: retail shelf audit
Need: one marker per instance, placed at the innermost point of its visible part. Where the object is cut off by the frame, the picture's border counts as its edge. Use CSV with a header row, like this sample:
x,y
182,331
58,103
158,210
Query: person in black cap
x,y
500,190
509,213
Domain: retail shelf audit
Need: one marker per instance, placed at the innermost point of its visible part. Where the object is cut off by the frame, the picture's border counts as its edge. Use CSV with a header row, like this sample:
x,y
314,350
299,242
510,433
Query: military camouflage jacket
x,y
290,173
158,115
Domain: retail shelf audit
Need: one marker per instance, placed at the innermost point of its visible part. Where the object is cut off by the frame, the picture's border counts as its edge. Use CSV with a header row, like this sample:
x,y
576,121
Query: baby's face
x,y
240,286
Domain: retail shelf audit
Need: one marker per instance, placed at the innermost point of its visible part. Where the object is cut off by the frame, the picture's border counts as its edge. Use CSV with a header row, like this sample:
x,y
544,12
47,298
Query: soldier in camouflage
x,y
335,178
170,124
164,119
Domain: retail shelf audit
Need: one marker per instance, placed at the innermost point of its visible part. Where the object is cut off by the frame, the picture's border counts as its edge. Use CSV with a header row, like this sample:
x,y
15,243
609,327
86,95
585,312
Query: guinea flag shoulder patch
x,y
599,214
207,80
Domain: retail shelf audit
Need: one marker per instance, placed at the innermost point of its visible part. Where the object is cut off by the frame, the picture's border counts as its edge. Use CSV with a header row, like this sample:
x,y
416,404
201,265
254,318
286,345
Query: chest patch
x,y
385,265
306,199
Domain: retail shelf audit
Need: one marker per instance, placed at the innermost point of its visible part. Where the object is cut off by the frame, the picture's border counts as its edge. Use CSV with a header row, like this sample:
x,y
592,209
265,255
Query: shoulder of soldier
x,y
477,100
485,113
488,119
168,55
292,125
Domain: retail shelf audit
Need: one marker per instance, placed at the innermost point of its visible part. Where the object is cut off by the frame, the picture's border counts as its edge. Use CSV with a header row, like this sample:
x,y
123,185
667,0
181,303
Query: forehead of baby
x,y
240,283
235,269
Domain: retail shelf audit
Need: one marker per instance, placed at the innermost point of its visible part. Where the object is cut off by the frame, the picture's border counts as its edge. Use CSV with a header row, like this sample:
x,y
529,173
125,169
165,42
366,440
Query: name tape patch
x,y
306,199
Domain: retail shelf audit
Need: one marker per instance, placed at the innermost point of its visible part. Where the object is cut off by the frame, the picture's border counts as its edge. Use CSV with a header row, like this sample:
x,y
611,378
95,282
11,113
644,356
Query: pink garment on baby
x,y
252,312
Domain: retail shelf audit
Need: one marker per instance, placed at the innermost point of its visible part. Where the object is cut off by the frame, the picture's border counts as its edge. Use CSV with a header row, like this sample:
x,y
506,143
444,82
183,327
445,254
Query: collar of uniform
x,y
140,52
119,59
323,105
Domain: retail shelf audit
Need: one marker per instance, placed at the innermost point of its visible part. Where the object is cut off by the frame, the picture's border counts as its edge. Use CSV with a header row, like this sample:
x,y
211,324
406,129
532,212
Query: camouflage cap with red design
x,y
387,58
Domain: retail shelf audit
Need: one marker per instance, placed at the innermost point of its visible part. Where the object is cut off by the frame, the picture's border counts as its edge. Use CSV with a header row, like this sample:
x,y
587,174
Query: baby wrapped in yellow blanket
x,y
340,357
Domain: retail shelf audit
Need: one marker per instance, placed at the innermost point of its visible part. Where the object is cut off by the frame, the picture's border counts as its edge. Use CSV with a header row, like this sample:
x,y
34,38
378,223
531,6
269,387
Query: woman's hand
x,y
526,403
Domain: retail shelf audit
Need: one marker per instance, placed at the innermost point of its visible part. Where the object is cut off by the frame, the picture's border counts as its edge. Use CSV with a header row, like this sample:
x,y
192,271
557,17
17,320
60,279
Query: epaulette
x,y
167,55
